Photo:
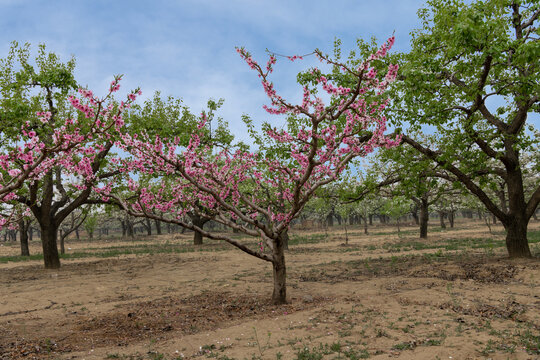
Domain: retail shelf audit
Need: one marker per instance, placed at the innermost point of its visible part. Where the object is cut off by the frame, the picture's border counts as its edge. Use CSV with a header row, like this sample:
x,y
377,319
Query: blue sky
x,y
186,48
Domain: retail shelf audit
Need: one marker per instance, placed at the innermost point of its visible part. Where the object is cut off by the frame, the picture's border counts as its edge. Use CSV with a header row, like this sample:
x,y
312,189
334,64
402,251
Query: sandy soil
x,y
377,297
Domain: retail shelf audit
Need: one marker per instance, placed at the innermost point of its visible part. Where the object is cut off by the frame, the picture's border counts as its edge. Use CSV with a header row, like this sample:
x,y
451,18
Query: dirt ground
x,y
380,296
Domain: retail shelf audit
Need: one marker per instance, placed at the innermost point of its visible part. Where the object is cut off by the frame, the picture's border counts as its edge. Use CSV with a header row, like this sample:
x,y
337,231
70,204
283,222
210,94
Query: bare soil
x,y
380,296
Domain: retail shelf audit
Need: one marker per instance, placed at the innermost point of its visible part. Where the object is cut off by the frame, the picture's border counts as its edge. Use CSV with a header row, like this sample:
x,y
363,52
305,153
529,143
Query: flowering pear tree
x,y
257,195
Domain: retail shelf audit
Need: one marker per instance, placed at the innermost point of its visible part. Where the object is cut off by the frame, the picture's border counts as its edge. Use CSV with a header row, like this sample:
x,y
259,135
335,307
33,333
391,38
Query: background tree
x,y
168,117
71,225
396,207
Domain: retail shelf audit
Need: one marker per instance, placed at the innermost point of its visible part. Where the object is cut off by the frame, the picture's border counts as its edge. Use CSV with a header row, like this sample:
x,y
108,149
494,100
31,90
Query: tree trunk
x,y
516,239
198,221
330,220
77,235
158,227
424,218
441,218
130,229
23,231
414,214
517,221
49,234
370,219
279,295
451,218
124,228
285,239
30,232
197,238
148,227
366,225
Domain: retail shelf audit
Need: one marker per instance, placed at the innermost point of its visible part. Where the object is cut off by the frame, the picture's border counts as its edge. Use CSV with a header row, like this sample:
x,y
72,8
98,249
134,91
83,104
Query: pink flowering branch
x,y
251,192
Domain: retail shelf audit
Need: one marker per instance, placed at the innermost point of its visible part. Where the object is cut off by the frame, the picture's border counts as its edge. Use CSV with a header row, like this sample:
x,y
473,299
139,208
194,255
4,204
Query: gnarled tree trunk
x,y
279,295
49,236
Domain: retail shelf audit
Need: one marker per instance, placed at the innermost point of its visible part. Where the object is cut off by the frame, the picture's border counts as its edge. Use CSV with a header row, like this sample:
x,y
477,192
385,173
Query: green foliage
x,y
27,87
461,54
168,117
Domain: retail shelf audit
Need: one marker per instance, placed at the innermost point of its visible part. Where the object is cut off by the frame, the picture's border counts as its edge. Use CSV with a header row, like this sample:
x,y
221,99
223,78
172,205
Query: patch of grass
x,y
404,346
530,341
432,342
115,251
306,239
323,350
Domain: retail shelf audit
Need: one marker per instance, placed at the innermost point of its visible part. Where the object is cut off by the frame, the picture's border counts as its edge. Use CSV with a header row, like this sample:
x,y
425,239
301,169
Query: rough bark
x,y
279,295
285,239
49,234
516,239
517,220
424,218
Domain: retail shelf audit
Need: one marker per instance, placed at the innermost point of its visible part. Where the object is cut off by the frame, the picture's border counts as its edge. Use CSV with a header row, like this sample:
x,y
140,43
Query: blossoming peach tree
x,y
248,191
55,161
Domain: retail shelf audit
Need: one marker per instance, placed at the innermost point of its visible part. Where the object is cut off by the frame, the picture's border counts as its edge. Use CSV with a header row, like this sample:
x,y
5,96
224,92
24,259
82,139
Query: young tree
x,y
396,207
240,187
